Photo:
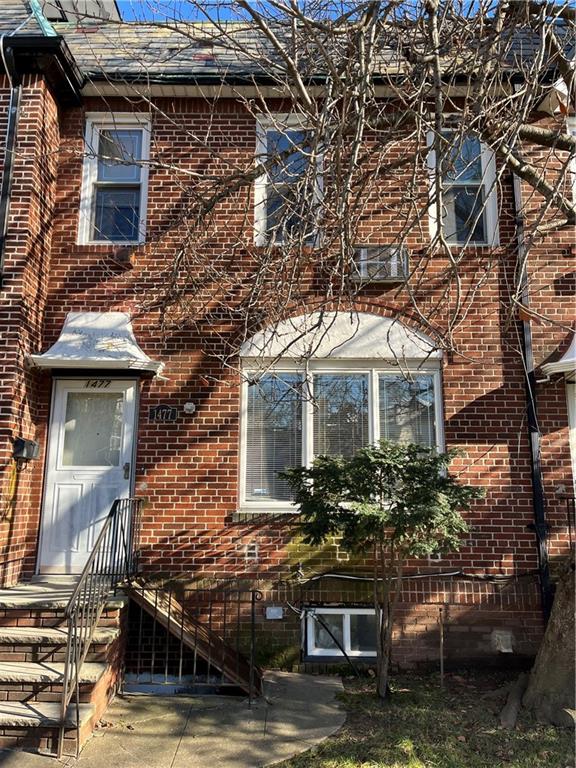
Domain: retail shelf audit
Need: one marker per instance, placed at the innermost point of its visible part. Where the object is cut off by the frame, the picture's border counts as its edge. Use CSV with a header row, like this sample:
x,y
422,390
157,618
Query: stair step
x,y
34,672
45,596
51,635
18,714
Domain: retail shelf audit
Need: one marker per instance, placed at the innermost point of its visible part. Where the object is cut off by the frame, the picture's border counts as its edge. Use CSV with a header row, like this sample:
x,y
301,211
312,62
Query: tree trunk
x,y
384,654
383,577
550,692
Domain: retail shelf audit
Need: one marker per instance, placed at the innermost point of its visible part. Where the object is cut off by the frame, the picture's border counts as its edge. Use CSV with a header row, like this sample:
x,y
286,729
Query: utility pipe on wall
x,y
540,525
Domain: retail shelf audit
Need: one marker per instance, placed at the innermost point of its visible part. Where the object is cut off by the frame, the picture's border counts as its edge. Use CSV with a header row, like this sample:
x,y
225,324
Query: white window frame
x,y
488,162
277,121
310,621
373,368
95,123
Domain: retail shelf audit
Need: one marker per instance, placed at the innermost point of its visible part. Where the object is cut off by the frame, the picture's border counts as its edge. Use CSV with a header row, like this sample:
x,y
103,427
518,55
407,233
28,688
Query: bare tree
x,y
382,97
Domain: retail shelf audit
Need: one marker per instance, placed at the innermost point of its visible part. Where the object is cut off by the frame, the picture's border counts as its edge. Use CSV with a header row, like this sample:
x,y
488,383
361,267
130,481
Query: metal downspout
x,y
7,55
540,525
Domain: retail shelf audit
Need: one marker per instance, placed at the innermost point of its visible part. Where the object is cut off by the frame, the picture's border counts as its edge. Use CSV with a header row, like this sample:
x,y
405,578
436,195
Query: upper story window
x,y
468,172
113,204
287,194
369,378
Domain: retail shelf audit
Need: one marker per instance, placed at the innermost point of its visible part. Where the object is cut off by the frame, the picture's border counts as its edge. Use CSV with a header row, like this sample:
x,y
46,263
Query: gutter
x,y
41,20
540,525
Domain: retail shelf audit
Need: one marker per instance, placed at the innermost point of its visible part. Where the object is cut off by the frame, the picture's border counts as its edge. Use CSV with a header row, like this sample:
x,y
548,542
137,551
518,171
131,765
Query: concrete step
x,y
51,635
39,596
55,578
20,714
46,672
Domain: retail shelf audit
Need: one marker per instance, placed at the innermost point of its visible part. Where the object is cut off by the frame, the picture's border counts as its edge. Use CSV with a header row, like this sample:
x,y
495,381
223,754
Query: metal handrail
x,y
113,559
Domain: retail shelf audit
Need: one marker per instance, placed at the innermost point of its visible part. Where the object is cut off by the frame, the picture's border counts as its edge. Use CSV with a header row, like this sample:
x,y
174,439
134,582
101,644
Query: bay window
x,y
290,416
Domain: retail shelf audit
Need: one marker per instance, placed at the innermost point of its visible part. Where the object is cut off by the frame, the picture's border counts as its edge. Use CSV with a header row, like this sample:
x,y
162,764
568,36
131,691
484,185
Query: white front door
x,y
90,449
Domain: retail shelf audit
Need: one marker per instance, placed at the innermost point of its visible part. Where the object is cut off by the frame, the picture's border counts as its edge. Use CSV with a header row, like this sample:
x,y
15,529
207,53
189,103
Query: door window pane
x,y
340,414
407,410
322,637
93,429
273,435
362,632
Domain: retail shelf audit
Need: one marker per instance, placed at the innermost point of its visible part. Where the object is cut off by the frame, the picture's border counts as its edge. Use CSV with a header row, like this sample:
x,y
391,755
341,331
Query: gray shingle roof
x,y
13,13
203,50
161,51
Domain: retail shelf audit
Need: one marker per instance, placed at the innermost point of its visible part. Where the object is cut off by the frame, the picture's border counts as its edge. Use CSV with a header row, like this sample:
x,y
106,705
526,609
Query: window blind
x,y
340,413
273,435
407,409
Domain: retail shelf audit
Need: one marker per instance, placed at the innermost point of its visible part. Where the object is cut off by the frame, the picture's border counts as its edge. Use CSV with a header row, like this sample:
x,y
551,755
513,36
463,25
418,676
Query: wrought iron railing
x,y
200,639
113,560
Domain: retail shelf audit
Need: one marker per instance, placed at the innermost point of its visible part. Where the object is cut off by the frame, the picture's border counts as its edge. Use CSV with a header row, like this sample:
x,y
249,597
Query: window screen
x,y
407,409
464,194
340,413
117,189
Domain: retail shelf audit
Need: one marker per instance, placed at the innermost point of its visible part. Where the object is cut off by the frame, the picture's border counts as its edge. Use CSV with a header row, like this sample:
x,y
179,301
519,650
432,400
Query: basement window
x,y
329,632
115,179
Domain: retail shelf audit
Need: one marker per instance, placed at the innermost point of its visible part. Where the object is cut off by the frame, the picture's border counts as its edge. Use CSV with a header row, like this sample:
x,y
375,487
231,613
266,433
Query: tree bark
x,y
550,693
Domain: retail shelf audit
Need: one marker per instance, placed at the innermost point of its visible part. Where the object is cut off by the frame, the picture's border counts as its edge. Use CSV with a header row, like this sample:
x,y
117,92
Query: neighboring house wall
x,y
23,300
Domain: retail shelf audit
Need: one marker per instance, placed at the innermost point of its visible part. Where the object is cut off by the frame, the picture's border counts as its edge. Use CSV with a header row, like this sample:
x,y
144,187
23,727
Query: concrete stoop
x,y
33,640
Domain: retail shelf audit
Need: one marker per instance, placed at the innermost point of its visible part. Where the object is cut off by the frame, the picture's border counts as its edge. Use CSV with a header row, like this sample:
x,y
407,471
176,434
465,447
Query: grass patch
x,y
423,726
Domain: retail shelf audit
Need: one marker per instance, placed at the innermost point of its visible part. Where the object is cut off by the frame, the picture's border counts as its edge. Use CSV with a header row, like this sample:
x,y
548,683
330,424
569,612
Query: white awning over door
x,y
96,340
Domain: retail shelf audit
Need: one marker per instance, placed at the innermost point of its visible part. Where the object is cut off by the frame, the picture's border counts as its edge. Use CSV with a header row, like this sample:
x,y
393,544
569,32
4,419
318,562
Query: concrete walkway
x,y
298,711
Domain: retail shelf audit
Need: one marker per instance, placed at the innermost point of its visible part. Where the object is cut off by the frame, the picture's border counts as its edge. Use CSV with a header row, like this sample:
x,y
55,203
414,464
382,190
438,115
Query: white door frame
x,y
60,386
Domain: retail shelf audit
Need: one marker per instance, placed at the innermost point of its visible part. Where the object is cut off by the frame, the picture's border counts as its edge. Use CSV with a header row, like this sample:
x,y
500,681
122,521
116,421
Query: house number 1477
x,y
98,383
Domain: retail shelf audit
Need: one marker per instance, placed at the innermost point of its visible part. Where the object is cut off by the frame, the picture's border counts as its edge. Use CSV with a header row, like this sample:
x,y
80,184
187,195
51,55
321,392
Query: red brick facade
x,y
188,470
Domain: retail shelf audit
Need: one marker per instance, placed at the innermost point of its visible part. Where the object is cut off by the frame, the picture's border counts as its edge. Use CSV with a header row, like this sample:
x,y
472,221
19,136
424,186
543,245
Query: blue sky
x,y
160,10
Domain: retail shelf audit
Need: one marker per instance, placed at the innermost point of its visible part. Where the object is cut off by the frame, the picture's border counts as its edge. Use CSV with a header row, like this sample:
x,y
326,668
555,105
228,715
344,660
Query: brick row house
x,y
101,399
